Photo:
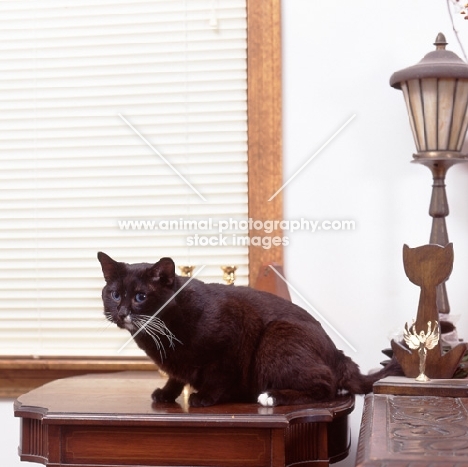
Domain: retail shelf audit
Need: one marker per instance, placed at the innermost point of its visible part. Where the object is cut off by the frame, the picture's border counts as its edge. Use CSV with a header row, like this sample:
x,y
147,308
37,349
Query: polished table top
x,y
122,401
122,396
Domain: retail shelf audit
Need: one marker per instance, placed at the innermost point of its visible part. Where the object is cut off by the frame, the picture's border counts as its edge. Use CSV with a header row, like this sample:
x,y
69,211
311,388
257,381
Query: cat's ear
x,y
164,271
110,268
406,251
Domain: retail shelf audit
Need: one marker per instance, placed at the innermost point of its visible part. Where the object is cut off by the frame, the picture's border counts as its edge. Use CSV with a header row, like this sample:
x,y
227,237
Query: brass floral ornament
x,y
422,342
229,274
187,271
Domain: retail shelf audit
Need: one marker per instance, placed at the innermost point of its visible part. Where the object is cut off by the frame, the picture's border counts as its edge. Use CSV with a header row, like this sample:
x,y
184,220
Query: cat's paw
x,y
161,396
266,400
198,400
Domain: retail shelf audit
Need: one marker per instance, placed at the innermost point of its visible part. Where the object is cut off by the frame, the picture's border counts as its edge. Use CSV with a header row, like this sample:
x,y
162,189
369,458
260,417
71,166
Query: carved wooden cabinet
x,y
109,420
414,431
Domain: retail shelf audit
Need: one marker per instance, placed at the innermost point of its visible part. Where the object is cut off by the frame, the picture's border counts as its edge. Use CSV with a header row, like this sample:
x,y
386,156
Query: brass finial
x,y
187,271
440,42
229,274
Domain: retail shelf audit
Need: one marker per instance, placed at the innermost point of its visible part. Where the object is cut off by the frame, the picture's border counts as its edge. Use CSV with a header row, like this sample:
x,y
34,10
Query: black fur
x,y
229,343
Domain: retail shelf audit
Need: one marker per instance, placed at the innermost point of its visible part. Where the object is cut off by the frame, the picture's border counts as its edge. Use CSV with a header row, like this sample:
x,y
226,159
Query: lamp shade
x,y
436,96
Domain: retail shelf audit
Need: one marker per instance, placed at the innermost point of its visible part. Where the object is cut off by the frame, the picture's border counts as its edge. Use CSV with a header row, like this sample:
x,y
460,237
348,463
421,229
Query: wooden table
x,y
109,420
410,430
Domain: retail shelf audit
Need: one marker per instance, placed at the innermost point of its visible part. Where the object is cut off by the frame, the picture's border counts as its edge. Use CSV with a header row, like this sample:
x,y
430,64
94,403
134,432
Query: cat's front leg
x,y
170,392
211,395
197,399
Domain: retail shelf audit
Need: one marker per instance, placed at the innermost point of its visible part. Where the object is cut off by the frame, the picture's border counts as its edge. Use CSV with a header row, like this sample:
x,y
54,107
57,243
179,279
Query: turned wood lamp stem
x,y
439,210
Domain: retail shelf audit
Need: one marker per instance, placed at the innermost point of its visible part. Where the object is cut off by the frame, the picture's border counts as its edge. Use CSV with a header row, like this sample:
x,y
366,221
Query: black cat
x,y
230,343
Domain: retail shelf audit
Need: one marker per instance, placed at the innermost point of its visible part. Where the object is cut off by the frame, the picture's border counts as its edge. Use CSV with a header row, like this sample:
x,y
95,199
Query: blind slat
x,y
71,169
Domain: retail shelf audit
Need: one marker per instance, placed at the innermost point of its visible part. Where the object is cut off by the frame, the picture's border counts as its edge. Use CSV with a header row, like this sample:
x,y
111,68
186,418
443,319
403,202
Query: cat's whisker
x,y
154,334
104,326
160,327
159,344
109,319
155,330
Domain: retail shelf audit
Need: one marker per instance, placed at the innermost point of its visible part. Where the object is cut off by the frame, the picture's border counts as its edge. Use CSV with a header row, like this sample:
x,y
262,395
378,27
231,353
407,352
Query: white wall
x,y
337,60
9,435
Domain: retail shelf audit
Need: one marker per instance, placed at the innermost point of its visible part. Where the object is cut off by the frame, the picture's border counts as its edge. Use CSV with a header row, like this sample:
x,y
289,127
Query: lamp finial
x,y
440,42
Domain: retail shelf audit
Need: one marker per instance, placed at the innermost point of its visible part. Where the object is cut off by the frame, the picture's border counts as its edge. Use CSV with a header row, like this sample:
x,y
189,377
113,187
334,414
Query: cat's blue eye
x,y
140,297
115,296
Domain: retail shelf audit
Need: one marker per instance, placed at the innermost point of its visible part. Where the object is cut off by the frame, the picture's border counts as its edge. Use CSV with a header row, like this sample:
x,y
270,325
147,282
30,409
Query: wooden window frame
x,y
21,374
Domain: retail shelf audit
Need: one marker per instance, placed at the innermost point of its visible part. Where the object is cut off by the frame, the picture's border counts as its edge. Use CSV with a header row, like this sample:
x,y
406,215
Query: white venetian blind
x,y
113,111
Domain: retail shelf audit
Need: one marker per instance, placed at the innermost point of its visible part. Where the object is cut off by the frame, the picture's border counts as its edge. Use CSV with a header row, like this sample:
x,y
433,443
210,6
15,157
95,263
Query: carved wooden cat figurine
x,y
229,343
428,266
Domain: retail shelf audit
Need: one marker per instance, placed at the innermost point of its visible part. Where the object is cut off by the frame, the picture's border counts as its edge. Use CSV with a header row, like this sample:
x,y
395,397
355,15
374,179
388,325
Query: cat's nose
x,y
123,312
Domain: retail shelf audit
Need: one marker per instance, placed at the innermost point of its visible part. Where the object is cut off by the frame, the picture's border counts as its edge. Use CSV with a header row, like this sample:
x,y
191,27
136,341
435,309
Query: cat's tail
x,y
355,382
